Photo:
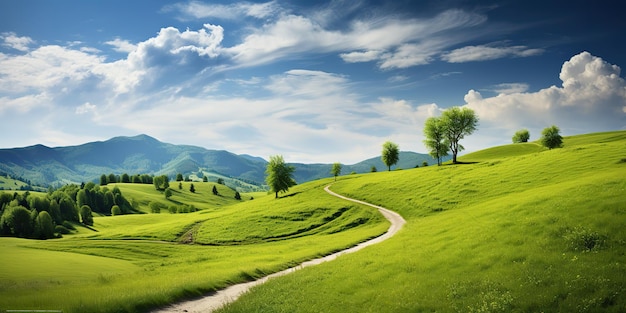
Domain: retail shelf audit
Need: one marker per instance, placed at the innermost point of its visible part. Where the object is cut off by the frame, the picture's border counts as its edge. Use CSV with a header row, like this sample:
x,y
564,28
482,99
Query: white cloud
x,y
13,41
121,45
85,108
487,52
509,88
360,56
199,10
591,98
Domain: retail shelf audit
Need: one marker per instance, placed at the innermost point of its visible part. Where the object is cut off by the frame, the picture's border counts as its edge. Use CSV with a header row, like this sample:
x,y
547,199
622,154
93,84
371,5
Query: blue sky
x,y
314,81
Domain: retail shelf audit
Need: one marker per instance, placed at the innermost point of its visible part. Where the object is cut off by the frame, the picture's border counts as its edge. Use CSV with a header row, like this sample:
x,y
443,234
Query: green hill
x,y
517,228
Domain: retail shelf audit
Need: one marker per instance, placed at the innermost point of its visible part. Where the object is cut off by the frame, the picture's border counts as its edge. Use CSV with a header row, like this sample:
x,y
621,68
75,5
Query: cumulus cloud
x,y
486,52
85,108
13,41
121,45
592,98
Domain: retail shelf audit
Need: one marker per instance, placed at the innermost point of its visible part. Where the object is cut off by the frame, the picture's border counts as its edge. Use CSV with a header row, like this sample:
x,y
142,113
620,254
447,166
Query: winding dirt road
x,y
214,301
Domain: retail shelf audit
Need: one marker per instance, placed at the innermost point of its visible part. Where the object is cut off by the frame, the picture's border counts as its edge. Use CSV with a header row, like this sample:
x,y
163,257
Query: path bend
x,y
214,301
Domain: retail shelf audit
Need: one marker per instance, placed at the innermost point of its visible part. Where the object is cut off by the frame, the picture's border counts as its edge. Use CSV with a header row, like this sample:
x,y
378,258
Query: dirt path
x,y
214,301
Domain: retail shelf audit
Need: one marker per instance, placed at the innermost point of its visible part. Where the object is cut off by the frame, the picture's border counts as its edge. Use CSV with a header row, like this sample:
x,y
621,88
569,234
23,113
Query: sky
x,y
313,81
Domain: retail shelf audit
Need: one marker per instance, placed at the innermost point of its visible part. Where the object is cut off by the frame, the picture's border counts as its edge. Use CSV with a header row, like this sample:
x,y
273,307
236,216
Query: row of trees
x,y
41,217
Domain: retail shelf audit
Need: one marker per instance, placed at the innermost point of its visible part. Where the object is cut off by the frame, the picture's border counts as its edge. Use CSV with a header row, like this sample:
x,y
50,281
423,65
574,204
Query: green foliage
x,y
115,210
155,207
215,192
373,169
44,226
192,188
168,193
237,195
161,182
458,123
86,216
16,221
179,177
520,136
390,154
279,175
550,137
436,140
336,170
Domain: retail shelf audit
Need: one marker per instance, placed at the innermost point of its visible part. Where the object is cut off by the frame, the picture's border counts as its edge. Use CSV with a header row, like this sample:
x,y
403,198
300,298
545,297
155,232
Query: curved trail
x,y
230,294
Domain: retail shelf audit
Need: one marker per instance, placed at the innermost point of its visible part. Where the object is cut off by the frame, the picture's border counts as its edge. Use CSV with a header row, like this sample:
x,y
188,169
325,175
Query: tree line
x,y
42,217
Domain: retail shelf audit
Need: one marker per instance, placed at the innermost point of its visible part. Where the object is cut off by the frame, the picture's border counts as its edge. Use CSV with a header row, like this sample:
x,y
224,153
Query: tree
x,y
192,188
112,179
215,190
103,180
279,175
390,154
115,210
220,181
205,179
373,169
44,226
16,220
550,137
458,124
180,186
179,177
336,170
436,139
85,215
154,207
168,193
424,164
237,195
125,178
521,135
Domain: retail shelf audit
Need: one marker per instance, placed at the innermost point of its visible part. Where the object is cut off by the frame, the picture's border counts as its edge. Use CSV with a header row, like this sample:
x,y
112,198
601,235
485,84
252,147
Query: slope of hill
x,y
516,228
143,154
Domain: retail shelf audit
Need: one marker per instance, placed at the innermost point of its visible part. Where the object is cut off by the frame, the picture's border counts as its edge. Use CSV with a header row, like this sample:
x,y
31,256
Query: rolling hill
x,y
143,154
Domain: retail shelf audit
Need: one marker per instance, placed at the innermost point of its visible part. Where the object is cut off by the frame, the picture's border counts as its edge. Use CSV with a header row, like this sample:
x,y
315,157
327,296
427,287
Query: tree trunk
x,y
276,195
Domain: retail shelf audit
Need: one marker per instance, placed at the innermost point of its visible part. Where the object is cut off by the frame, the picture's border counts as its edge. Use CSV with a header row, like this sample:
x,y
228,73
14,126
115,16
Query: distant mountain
x,y
143,154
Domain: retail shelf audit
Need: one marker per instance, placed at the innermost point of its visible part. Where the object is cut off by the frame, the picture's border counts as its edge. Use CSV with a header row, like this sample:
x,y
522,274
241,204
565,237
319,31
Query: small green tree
x,y
279,175
521,135
215,190
86,216
458,123
103,180
550,137
180,186
237,195
115,210
424,164
373,169
390,154
220,181
436,140
44,226
179,177
205,179
155,207
336,170
125,178
192,188
168,193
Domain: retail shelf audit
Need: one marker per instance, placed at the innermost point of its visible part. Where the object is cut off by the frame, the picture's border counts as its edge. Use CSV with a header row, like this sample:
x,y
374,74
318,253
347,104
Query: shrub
x,y
155,207
585,240
60,229
115,210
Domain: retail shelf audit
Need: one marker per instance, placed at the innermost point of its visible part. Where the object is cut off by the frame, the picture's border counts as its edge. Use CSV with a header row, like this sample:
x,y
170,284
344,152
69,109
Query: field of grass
x,y
131,263
517,228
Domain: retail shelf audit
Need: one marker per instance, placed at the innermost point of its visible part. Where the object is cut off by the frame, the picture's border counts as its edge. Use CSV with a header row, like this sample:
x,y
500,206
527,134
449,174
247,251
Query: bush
x,y
155,207
585,240
115,210
60,229
68,225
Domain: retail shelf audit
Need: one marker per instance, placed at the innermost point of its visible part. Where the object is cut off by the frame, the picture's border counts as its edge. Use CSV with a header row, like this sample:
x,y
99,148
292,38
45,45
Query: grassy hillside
x,y
518,228
131,263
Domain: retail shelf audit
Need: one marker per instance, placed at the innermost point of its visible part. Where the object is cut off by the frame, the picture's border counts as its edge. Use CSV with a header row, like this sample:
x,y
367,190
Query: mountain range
x,y
142,154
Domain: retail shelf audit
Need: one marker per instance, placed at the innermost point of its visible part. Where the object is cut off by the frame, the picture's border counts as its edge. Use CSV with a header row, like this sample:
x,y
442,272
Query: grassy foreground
x,y
516,228
132,263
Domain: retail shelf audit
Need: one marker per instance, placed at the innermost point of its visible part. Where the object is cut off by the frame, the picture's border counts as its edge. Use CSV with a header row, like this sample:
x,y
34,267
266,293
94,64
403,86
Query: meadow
x,y
133,263
516,228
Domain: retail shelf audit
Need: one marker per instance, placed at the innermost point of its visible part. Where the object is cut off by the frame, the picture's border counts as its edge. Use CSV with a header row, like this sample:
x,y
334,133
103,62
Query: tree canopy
x,y
279,175
390,154
458,123
521,135
551,137
436,140
336,170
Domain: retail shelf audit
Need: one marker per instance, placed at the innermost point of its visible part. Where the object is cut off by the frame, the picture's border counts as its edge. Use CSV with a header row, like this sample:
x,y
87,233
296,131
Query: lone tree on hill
x,y
436,139
237,195
550,137
336,170
279,175
390,154
192,188
521,136
458,122
215,190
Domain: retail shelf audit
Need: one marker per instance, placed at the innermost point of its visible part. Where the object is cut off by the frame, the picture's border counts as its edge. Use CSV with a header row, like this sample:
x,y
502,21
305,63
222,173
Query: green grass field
x,y
131,263
517,228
